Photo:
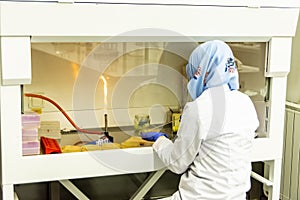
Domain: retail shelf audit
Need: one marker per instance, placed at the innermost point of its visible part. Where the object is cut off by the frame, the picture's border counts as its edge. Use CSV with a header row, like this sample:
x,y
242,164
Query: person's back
x,y
221,169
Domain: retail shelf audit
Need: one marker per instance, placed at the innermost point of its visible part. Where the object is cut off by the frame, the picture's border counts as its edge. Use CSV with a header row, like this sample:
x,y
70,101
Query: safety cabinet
x,y
26,25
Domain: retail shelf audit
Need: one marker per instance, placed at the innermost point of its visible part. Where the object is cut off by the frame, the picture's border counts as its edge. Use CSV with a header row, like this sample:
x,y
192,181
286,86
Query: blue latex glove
x,y
152,136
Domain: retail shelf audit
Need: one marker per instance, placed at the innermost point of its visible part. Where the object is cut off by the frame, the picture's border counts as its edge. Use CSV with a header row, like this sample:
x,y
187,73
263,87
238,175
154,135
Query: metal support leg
x,y
274,176
73,189
16,196
148,184
261,179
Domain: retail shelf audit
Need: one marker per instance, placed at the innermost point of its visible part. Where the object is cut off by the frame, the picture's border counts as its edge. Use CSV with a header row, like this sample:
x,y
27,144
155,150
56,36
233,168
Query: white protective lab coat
x,y
213,146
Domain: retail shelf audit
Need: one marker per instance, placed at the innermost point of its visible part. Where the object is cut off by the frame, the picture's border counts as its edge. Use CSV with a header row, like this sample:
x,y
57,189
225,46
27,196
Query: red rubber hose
x,y
63,112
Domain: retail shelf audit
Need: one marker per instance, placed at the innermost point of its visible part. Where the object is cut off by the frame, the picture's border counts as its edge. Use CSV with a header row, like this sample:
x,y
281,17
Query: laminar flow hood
x,y
28,26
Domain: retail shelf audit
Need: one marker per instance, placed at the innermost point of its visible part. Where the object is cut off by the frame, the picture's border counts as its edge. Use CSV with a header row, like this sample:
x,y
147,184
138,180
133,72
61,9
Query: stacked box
x,y
30,141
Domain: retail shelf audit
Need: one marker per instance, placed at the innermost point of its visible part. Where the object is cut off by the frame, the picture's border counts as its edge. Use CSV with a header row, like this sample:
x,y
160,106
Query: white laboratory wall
x,y
293,92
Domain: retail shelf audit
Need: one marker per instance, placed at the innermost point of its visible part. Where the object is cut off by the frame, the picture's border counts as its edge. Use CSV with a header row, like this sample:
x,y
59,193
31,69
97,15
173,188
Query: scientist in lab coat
x,y
213,147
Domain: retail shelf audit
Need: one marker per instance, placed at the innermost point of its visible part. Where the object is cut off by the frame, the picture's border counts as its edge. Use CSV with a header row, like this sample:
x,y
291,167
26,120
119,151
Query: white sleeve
x,y
178,156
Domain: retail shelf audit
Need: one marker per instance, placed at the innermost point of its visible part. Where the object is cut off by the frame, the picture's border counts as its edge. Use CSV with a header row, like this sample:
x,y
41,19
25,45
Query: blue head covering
x,y
211,64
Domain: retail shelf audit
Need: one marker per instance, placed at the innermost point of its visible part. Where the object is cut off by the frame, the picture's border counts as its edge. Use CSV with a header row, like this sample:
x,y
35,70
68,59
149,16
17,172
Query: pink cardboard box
x,y
31,147
31,120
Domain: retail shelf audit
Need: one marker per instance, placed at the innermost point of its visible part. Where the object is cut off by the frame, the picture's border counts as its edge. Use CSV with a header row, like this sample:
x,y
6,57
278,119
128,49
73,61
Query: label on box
x,y
50,129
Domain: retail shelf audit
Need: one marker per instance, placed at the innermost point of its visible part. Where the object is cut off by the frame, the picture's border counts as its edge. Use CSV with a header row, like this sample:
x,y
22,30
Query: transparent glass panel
x,y
251,62
122,80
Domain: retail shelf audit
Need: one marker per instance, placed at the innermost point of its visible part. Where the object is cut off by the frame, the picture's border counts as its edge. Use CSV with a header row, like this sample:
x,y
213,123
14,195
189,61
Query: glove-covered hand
x,y
152,136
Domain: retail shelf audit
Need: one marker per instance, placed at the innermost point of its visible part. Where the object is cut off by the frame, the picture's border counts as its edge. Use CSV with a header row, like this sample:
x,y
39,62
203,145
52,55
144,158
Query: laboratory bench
x,y
116,187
